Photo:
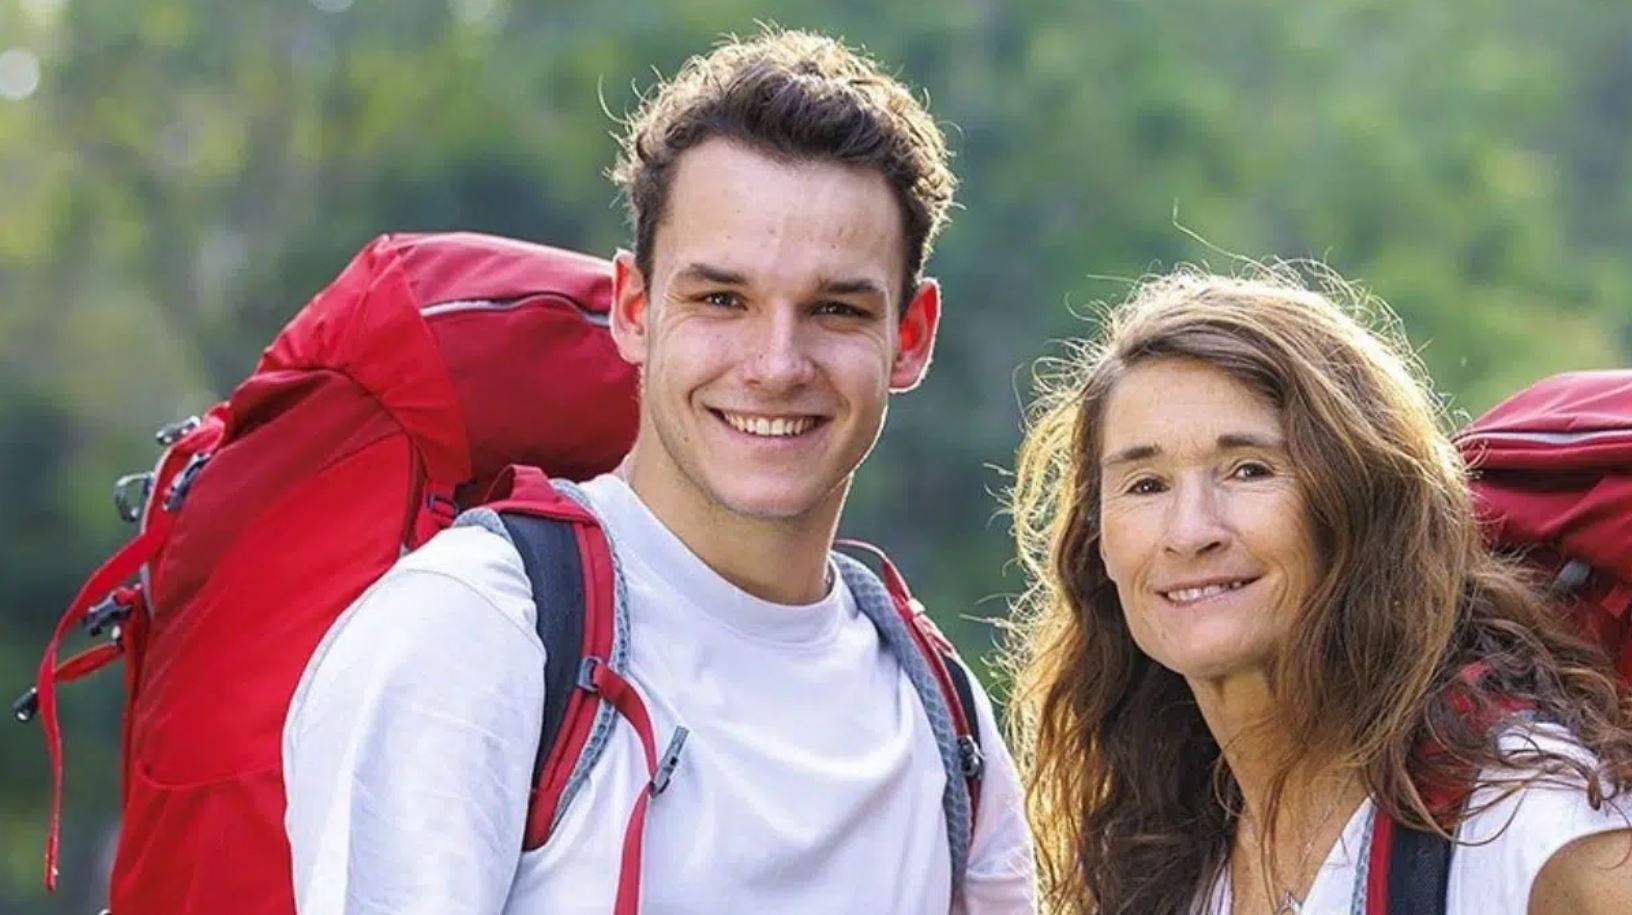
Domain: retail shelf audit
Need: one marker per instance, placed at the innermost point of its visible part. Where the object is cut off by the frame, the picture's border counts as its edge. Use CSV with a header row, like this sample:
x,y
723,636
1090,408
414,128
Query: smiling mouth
x,y
769,426
1203,592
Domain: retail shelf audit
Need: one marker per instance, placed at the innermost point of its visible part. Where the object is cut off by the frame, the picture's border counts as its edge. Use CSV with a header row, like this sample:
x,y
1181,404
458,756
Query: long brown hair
x,y
1132,806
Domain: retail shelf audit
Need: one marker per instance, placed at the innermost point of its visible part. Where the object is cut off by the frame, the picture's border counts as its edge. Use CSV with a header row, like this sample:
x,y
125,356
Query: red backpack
x,y
401,393
1553,483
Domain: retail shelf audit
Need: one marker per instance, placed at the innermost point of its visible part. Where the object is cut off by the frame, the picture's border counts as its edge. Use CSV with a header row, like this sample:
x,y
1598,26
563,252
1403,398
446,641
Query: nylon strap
x,y
627,701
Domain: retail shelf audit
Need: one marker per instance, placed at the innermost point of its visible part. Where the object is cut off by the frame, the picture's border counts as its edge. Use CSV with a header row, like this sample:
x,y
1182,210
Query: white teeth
x,y
779,427
1190,595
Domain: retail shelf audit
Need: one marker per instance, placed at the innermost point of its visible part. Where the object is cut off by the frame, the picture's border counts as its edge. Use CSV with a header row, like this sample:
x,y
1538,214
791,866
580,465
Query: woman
x,y
1258,599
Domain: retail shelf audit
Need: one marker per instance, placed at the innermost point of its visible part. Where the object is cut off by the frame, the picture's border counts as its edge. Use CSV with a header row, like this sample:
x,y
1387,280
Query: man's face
x,y
769,334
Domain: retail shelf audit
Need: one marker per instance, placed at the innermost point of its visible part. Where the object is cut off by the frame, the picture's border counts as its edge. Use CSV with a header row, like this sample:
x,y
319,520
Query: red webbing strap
x,y
88,661
628,703
1377,859
119,567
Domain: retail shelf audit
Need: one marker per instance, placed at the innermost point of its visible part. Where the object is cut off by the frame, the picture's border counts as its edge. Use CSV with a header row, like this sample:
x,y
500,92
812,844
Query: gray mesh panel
x,y
874,600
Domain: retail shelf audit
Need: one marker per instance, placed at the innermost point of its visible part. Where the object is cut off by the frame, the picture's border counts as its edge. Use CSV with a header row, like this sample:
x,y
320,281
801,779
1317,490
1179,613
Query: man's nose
x,y
1195,520
780,357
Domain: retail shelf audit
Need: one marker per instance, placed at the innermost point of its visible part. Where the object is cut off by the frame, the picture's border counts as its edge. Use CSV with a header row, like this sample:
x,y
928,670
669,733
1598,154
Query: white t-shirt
x,y
810,782
1501,849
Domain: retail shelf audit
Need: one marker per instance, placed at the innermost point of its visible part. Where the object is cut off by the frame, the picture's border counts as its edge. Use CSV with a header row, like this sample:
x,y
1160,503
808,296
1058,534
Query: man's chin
x,y
768,502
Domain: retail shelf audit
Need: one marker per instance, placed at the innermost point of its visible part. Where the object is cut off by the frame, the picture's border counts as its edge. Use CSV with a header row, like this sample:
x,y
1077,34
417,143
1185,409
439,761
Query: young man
x,y
784,193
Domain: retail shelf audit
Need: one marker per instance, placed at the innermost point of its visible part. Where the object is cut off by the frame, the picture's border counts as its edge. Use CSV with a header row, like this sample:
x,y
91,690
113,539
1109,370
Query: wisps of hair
x,y
1132,806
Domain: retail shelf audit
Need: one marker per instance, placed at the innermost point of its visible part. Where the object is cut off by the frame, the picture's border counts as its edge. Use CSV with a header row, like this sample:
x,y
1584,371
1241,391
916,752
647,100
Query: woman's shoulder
x,y
1523,815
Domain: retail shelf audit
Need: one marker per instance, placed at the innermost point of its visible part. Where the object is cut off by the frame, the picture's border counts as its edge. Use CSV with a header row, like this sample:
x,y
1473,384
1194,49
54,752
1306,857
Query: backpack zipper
x,y
460,306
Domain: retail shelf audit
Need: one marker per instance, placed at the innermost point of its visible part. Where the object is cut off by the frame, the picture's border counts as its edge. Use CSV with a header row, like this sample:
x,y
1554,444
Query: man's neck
x,y
784,561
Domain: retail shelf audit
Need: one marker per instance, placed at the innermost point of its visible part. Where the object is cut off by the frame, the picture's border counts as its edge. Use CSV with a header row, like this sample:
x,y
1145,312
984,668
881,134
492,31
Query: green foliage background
x,y
186,173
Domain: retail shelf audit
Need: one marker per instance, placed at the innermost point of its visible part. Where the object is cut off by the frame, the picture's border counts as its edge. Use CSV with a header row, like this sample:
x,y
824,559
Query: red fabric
x,y
1552,481
580,406
627,701
1553,478
1377,865
526,491
366,326
346,445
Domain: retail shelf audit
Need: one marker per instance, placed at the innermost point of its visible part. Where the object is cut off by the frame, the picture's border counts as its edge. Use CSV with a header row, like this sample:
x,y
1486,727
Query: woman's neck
x,y
1279,852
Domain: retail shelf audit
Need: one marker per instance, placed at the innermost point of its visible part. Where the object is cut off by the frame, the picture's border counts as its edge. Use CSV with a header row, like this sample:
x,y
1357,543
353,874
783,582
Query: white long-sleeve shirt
x,y
810,781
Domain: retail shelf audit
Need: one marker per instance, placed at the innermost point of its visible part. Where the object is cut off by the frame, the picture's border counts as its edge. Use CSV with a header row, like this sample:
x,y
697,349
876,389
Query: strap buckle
x,y
24,707
971,762
170,433
184,480
586,674
671,759
130,495
113,609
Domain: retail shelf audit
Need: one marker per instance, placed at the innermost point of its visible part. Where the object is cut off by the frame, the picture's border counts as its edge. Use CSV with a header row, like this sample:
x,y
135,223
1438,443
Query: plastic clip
x,y
130,495
184,481
170,433
586,674
24,706
671,759
112,610
970,761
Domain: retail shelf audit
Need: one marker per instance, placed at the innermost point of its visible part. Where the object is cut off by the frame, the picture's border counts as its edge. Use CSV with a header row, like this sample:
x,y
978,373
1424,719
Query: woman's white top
x,y
1499,853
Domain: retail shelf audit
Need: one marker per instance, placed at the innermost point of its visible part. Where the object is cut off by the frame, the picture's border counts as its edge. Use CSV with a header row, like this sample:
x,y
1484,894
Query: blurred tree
x,y
186,173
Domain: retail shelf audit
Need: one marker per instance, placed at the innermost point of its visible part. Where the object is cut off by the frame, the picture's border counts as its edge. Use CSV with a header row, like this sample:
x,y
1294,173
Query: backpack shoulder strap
x,y
582,621
1408,870
942,683
549,552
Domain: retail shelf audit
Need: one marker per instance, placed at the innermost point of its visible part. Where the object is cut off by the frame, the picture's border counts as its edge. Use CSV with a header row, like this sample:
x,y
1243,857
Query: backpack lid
x,y
366,325
1572,421
1552,467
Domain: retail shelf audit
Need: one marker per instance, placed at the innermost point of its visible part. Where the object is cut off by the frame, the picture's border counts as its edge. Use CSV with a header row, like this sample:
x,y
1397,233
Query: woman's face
x,y
1203,522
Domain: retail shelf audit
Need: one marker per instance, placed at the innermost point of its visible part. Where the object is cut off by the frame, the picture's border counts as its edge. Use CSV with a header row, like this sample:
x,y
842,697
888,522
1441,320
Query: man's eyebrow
x,y
1229,441
857,286
708,273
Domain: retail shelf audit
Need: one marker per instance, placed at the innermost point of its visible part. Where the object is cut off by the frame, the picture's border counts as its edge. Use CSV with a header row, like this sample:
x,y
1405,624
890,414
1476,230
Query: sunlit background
x,y
178,176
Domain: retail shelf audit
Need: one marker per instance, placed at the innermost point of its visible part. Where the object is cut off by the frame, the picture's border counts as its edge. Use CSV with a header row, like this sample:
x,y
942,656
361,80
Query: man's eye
x,y
840,309
722,299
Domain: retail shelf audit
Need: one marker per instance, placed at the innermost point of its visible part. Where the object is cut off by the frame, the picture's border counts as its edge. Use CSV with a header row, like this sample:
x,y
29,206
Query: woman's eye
x,y
1251,470
1146,486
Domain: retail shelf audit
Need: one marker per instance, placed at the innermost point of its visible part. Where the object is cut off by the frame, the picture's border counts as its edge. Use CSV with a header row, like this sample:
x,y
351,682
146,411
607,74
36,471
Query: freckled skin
x,y
1211,493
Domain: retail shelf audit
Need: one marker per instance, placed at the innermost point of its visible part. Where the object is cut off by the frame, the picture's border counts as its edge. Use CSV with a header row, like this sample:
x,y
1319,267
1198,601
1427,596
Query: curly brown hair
x,y
796,96
1132,804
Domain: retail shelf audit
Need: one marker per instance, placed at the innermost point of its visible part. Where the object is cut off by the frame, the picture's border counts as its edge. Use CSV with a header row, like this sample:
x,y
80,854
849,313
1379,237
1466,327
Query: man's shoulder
x,y
477,560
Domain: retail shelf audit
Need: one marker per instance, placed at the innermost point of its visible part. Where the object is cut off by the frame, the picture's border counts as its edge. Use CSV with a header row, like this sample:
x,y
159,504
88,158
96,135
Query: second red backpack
x,y
1552,481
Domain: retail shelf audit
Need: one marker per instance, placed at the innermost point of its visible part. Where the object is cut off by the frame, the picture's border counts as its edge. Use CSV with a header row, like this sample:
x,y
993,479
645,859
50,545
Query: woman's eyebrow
x,y
1229,441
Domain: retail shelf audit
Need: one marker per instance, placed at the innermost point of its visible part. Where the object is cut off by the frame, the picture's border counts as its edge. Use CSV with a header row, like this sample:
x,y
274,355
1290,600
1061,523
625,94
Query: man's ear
x,y
630,308
920,319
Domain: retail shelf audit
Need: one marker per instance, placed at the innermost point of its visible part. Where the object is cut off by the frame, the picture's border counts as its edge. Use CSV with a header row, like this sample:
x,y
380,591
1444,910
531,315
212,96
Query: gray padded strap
x,y
874,601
